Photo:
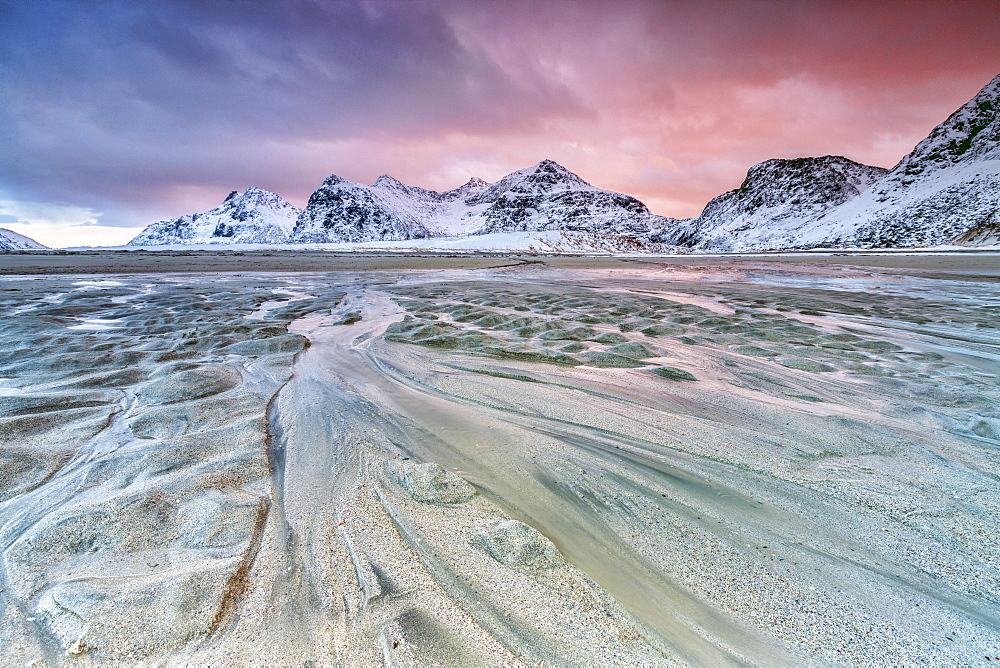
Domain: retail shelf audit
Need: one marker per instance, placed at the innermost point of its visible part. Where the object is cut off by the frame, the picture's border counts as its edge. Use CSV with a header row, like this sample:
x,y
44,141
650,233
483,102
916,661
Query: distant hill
x,y
14,241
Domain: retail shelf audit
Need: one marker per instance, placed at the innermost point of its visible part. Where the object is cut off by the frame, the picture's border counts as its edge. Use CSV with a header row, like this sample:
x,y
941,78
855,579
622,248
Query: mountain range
x,y
540,198
948,185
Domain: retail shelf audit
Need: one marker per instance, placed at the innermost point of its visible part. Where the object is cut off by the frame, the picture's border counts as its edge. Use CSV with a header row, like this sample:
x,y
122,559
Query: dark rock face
x,y
345,211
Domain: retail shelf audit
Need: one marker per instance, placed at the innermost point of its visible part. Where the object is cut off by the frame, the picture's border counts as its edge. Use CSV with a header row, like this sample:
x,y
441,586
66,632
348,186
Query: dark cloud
x,y
112,100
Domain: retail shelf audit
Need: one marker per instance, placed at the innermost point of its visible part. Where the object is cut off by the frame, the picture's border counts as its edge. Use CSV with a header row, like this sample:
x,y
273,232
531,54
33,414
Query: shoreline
x,y
983,264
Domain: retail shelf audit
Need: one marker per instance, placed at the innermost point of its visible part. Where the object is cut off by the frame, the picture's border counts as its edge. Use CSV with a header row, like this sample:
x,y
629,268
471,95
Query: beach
x,y
466,459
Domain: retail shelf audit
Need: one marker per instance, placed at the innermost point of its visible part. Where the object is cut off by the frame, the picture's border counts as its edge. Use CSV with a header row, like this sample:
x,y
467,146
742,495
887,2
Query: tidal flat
x,y
278,458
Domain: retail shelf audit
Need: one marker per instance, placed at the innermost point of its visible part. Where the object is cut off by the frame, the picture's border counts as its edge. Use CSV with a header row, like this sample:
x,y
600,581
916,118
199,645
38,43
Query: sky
x,y
118,113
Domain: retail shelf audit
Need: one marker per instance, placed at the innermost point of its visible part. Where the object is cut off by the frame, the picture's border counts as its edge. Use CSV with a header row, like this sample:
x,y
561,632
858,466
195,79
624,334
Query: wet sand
x,y
703,461
984,264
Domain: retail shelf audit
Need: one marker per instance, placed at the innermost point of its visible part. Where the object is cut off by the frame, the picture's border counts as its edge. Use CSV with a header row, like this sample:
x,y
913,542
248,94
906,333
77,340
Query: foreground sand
x,y
267,458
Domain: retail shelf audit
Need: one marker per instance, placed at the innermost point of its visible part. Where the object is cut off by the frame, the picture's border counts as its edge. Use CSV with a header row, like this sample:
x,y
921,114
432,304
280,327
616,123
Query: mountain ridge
x,y
947,185
546,196
776,199
11,240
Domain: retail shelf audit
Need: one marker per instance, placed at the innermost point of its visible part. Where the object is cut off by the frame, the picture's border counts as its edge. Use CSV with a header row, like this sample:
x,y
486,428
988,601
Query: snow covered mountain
x,y
775,201
550,197
14,241
544,197
252,217
947,185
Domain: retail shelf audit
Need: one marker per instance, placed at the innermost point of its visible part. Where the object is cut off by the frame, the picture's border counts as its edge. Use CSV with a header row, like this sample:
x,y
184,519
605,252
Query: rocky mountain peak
x,y
550,175
334,180
253,216
253,192
971,133
386,181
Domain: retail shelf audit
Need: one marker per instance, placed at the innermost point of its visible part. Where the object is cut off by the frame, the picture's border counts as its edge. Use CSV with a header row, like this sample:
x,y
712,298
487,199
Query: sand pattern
x,y
613,464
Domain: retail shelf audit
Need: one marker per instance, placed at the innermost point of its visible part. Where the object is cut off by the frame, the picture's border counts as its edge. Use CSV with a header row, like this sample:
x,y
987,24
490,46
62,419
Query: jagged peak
x,y
334,180
547,165
546,175
475,182
552,170
388,181
971,133
807,164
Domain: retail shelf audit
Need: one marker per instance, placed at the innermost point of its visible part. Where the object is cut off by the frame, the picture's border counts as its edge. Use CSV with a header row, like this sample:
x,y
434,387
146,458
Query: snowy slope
x,y
544,197
550,197
14,241
947,185
254,216
775,201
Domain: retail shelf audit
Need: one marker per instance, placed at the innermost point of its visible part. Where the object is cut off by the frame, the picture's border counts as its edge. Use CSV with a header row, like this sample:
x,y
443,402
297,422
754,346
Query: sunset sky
x,y
116,114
